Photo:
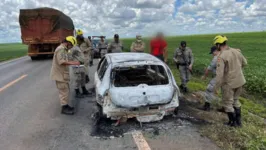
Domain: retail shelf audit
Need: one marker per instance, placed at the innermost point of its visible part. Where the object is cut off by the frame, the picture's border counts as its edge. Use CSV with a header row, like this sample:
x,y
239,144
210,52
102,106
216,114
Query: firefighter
x,y
230,77
60,73
86,48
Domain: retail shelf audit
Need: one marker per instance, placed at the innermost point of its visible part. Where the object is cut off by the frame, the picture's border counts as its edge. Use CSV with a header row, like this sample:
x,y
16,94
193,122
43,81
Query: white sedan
x,y
136,85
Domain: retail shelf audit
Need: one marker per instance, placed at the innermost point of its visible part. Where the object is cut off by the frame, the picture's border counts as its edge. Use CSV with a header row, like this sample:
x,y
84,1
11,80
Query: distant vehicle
x,y
43,29
135,85
98,52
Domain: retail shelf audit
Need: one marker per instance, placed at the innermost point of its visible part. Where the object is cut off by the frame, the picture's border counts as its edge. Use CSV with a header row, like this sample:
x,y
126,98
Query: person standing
x,y
230,77
102,46
85,47
138,45
79,72
183,57
209,94
158,47
60,73
92,51
116,46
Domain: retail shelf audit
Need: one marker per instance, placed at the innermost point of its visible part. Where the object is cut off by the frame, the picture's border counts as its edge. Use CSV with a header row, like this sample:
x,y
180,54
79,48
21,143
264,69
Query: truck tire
x,y
34,58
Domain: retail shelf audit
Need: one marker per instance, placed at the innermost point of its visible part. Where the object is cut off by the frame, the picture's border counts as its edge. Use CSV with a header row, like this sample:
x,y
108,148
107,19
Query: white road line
x,y
12,60
140,141
12,82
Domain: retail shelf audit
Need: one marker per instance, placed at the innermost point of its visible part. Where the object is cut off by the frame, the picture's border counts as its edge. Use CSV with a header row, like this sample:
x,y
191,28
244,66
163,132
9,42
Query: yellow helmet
x,y
219,39
79,32
72,40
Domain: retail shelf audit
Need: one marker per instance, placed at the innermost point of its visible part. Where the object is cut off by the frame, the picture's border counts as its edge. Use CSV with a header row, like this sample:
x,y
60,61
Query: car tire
x,y
100,112
176,111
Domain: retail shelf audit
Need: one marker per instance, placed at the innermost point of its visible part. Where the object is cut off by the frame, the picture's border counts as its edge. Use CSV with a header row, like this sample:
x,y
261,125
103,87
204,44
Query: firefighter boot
x,y
238,116
207,106
66,110
78,94
232,119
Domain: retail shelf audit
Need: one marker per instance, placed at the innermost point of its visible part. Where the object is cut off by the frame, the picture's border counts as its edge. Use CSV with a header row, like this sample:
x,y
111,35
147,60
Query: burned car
x,y
135,85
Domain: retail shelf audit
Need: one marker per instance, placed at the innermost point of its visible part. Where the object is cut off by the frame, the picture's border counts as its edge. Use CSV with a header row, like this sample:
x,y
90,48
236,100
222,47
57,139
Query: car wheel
x,y
176,111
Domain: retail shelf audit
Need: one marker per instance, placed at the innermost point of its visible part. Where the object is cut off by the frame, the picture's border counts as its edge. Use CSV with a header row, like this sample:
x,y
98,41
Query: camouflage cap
x,y
116,36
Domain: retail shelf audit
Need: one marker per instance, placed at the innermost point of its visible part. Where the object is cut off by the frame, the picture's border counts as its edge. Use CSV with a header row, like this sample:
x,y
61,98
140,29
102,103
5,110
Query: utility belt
x,y
182,64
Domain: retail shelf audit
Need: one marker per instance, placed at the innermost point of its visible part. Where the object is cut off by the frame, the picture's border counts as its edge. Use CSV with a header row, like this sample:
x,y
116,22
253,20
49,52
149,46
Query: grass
x,y
252,136
11,51
251,44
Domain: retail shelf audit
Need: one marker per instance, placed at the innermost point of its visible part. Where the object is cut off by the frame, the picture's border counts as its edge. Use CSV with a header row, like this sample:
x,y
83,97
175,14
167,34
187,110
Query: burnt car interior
x,y
136,75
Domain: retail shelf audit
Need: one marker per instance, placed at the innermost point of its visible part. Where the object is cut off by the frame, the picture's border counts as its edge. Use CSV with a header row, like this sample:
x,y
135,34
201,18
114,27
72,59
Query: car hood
x,y
142,95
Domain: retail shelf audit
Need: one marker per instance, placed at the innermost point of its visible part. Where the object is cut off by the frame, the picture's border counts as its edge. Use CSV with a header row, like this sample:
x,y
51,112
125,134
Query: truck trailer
x,y
43,29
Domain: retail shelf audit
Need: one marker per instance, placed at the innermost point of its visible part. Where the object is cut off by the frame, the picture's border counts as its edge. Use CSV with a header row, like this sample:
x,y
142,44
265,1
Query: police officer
x,y
79,72
230,77
138,45
184,60
60,73
102,46
116,46
209,94
86,48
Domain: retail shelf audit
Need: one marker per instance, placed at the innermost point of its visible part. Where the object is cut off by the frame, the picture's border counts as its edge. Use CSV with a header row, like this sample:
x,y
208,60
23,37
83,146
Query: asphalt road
x,y
30,118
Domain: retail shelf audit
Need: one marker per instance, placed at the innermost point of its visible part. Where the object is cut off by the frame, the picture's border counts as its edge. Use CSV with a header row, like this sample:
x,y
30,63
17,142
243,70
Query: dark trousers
x,y
160,57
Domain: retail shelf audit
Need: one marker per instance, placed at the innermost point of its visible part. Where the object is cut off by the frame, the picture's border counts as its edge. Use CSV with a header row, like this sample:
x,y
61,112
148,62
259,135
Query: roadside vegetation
x,y
11,51
253,133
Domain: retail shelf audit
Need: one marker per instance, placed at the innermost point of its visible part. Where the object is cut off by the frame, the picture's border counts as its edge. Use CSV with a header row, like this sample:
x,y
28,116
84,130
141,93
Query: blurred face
x,y
69,45
116,39
183,46
160,36
215,53
138,38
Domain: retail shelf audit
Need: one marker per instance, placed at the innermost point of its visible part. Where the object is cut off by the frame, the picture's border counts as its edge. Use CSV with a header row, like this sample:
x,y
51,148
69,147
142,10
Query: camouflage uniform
x,y
79,71
137,46
114,47
183,59
86,49
102,47
209,94
230,77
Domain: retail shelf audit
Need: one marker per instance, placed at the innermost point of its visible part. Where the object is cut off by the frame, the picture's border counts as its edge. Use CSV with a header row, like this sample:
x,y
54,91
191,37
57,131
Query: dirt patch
x,y
105,128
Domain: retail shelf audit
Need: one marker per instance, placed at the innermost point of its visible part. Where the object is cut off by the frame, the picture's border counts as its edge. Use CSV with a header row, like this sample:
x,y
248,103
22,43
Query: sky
x,y
144,17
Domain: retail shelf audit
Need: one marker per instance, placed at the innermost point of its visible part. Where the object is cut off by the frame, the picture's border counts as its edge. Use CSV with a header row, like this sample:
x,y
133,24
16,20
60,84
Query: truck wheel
x,y
34,58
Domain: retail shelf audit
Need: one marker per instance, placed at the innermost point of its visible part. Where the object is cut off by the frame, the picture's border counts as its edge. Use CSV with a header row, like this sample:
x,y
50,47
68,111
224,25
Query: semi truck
x,y
43,29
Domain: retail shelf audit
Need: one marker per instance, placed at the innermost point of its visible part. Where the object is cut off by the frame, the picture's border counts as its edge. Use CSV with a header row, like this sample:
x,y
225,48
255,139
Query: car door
x,y
101,83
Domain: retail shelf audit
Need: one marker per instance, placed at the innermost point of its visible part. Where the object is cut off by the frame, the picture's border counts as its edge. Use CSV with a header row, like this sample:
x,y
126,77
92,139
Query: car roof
x,y
130,56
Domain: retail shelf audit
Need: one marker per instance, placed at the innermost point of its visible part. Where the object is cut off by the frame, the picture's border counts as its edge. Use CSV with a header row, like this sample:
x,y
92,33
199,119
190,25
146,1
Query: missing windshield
x,y
136,75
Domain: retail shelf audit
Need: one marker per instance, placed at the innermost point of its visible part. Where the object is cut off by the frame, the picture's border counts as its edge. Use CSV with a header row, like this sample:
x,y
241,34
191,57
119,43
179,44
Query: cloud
x,y
131,17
